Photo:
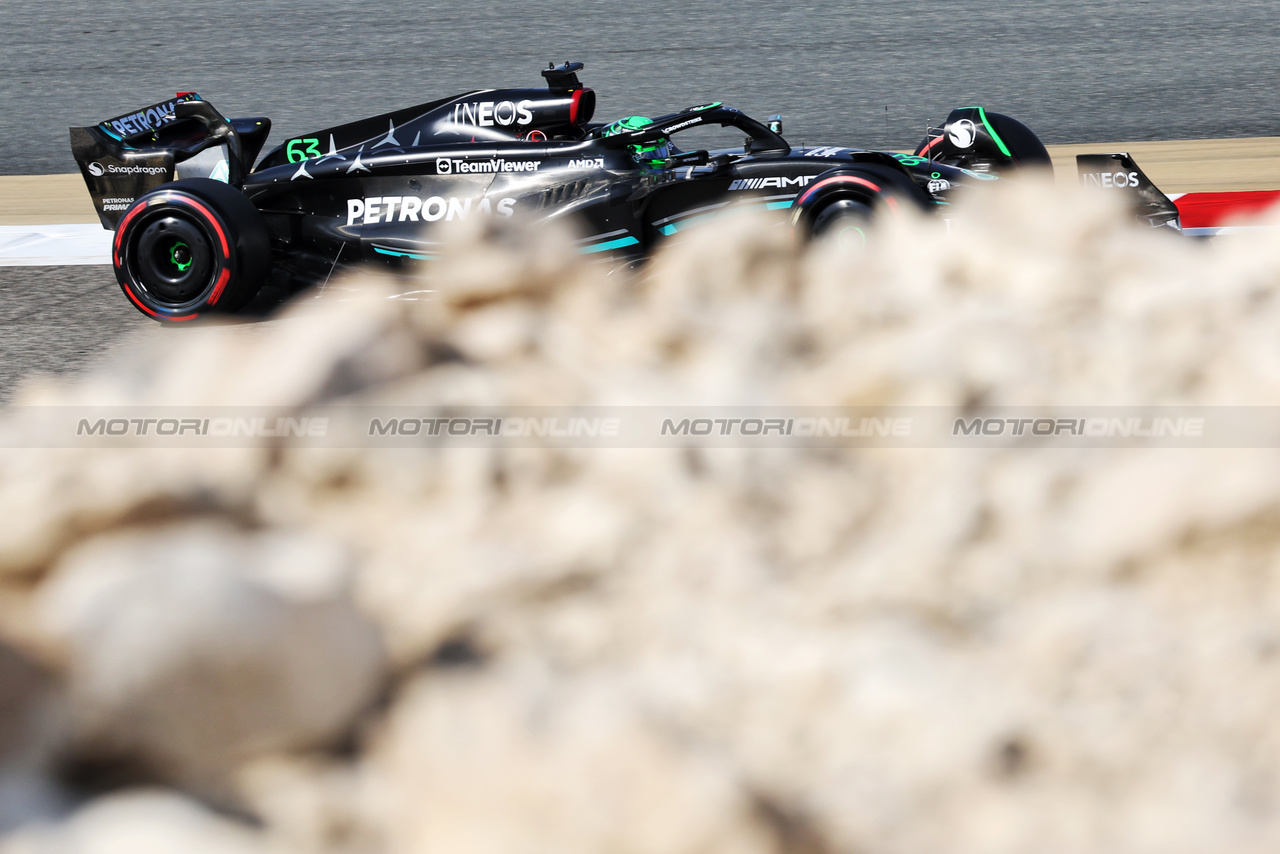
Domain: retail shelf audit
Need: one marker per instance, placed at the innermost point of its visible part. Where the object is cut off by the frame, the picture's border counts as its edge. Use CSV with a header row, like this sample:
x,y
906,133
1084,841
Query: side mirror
x,y
689,158
774,124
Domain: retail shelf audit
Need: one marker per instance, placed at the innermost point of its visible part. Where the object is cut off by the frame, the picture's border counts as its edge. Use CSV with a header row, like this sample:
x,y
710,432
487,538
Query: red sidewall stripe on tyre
x,y
223,278
932,143
836,179
119,241
226,249
222,283
213,220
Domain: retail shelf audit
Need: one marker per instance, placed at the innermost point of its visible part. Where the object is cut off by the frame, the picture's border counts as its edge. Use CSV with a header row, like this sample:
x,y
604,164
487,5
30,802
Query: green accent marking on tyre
x,y
173,256
1000,142
842,238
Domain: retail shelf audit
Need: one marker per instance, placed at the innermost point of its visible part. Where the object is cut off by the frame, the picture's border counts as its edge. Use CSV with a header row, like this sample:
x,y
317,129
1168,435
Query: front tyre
x,y
843,203
189,248
846,221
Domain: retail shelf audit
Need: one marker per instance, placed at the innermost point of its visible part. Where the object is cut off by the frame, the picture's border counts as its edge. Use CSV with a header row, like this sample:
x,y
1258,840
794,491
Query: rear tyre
x,y
1023,144
189,248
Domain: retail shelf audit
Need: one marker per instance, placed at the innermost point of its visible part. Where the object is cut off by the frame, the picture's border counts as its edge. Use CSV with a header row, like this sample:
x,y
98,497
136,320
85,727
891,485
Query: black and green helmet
x,y
653,152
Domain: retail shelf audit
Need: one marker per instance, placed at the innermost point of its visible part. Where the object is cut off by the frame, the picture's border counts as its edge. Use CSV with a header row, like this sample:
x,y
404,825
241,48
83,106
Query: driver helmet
x,y
653,152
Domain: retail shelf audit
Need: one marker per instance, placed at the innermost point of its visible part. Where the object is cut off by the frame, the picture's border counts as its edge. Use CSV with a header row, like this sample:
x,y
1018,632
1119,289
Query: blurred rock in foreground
x,y
648,651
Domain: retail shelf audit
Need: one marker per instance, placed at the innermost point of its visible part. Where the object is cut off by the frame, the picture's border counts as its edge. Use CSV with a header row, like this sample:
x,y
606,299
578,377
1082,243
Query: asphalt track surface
x,y
870,73
57,320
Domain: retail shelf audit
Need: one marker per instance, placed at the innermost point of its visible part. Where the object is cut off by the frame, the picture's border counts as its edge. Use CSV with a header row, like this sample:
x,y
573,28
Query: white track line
x,y
54,245
82,244
1222,230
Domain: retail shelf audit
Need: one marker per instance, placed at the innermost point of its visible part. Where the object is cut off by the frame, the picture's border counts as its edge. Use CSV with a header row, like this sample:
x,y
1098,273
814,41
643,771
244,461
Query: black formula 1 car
x,y
200,228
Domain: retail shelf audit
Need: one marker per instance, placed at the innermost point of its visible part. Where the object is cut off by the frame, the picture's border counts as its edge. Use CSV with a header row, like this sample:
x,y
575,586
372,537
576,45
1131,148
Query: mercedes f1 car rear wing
x,y
124,157
1120,173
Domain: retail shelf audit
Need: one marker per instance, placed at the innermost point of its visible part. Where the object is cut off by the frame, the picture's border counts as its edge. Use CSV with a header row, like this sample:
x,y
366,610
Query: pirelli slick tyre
x,y
846,202
189,248
991,140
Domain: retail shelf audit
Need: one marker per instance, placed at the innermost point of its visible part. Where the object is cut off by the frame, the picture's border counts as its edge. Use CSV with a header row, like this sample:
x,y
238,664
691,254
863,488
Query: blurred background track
x,y
56,320
871,72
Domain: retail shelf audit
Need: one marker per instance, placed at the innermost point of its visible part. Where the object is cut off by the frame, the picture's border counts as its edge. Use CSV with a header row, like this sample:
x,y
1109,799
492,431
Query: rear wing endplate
x,y
1119,173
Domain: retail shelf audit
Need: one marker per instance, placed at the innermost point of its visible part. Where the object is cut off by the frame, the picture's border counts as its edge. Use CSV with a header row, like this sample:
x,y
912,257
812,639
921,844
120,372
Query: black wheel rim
x,y
852,235
845,221
172,259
